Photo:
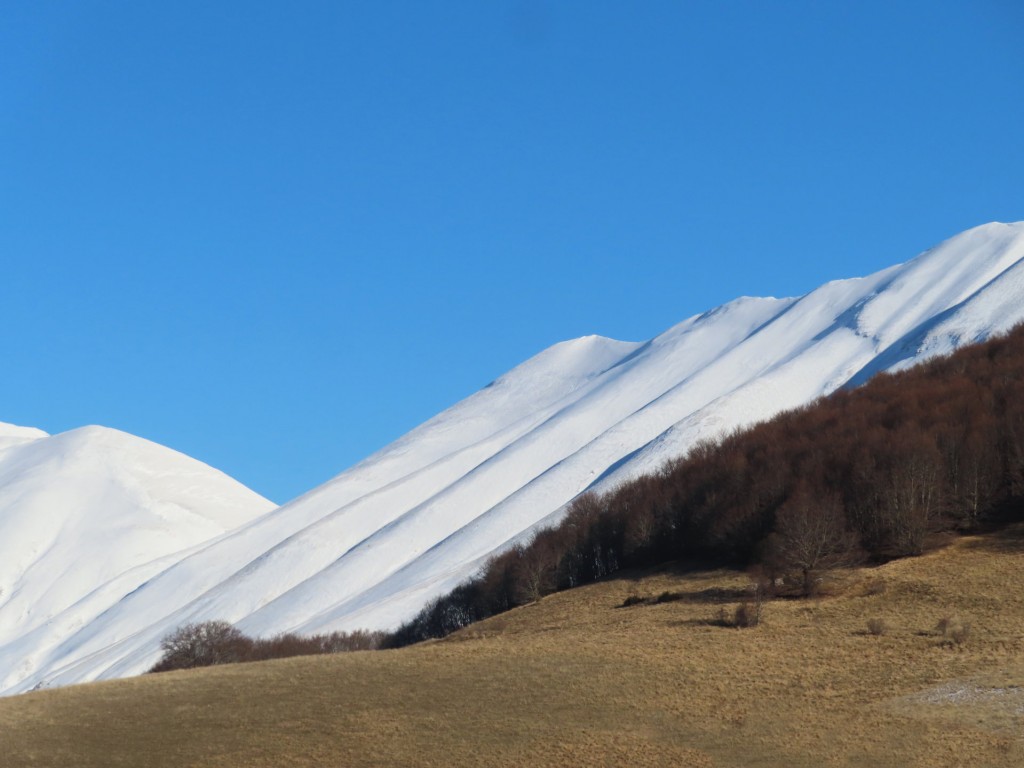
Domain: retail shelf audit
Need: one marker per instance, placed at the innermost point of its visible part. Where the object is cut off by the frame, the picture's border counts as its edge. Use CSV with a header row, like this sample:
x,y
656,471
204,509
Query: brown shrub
x,y
874,587
953,631
669,597
878,627
217,642
748,615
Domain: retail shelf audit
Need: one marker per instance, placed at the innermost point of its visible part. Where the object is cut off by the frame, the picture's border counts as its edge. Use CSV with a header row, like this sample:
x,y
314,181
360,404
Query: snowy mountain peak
x,y
575,361
87,516
370,547
11,434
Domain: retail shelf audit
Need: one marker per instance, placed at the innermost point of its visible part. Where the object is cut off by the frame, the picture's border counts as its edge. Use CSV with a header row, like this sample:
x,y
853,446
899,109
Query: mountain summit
x,y
86,517
370,547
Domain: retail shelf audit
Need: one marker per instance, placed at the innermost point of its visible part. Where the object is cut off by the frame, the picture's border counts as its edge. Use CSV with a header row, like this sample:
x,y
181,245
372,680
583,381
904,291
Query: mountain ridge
x,y
369,547
94,512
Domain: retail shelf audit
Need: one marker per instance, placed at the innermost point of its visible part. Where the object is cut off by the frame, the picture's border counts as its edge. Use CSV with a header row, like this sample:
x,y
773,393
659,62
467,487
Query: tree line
x,y
872,473
203,644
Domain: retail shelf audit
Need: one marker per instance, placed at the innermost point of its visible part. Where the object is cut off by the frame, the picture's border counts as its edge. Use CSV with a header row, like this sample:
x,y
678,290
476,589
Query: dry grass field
x,y
576,679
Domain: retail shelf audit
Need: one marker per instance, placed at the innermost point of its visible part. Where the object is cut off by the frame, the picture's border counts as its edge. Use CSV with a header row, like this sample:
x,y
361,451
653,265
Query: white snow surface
x,y
86,517
371,547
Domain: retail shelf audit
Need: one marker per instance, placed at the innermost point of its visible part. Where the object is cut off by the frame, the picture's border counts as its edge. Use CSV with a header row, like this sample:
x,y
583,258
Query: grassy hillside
x,y
576,679
876,471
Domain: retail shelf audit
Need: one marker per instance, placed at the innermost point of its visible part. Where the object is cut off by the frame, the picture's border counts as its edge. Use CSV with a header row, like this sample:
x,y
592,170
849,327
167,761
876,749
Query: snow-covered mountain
x,y
88,516
372,546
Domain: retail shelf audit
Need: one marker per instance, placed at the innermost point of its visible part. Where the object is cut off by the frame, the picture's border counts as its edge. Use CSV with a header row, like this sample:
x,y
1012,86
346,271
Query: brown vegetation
x,y
878,626
872,475
209,643
953,631
876,472
575,680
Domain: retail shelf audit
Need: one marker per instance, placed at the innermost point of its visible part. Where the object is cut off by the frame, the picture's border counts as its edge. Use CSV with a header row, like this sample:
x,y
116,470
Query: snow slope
x,y
373,545
85,518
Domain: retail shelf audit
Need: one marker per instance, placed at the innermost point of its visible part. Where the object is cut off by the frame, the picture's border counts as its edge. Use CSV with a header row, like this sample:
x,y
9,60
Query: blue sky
x,y
277,236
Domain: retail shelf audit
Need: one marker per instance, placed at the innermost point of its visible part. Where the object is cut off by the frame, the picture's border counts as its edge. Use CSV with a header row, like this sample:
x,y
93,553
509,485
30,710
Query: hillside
x,y
87,517
371,547
576,679
869,473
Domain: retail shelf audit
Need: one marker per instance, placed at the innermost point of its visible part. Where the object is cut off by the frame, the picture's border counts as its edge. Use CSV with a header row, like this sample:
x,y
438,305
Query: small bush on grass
x,y
878,627
874,587
668,597
953,631
747,614
633,600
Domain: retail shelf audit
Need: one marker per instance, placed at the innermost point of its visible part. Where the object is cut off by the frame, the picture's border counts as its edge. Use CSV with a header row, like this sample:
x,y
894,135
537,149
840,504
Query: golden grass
x,y
577,680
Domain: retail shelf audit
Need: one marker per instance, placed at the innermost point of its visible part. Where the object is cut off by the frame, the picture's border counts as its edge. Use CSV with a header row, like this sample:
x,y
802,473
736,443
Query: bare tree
x,y
536,567
202,645
910,491
811,537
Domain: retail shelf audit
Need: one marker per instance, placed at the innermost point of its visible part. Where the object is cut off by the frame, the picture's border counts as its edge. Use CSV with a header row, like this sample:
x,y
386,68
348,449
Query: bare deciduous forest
x,y
864,475
868,474
913,662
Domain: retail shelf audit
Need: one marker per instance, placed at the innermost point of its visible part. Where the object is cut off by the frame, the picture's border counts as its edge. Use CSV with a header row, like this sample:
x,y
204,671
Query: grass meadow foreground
x,y
916,663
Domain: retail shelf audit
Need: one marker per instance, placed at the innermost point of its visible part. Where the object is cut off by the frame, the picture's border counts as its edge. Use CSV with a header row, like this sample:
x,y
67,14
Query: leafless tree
x,y
811,537
202,645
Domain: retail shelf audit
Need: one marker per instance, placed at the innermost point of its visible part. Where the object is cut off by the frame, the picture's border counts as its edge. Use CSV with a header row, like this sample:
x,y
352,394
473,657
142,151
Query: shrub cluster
x,y
953,631
217,642
869,472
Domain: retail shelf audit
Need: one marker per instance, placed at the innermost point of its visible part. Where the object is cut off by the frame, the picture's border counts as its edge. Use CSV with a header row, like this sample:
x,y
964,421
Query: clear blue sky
x,y
276,236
